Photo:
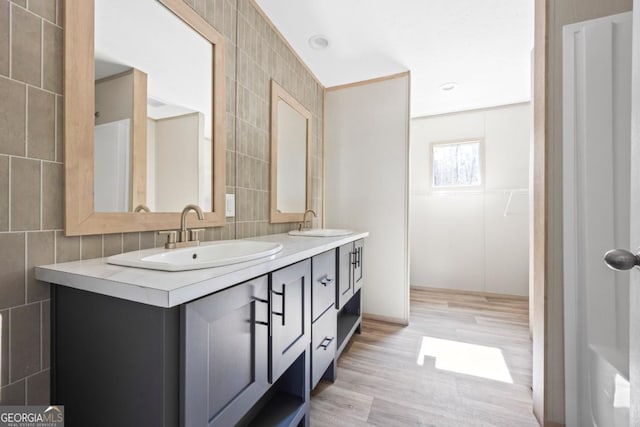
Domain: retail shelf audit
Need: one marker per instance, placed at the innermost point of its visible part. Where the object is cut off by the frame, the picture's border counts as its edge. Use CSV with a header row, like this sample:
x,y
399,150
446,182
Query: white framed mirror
x,y
144,116
290,157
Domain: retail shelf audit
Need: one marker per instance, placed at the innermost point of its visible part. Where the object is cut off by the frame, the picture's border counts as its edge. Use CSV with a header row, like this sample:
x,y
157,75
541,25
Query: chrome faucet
x,y
187,237
303,224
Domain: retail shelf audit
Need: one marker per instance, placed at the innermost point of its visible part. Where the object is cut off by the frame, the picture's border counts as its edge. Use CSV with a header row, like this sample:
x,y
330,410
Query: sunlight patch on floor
x,y
463,358
622,394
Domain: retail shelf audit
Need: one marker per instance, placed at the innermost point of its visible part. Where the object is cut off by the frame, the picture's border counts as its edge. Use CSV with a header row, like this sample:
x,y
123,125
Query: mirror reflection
x,y
290,167
292,156
153,110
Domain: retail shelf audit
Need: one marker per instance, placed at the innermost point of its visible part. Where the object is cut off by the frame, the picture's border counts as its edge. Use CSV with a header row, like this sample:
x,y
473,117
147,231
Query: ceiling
x,y
482,45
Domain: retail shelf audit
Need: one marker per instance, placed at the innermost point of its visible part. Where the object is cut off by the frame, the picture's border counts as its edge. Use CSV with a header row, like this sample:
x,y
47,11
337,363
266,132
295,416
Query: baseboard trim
x,y
465,292
386,319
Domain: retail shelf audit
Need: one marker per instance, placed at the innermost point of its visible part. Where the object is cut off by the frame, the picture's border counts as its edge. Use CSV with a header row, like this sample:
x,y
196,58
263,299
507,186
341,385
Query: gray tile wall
x,y
262,56
31,172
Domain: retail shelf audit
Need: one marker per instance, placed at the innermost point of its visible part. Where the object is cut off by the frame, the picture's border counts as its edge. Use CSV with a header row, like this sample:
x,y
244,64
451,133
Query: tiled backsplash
x,y
31,169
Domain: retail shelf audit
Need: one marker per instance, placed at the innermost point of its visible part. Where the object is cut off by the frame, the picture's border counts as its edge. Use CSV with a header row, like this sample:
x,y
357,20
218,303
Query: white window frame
x,y
481,165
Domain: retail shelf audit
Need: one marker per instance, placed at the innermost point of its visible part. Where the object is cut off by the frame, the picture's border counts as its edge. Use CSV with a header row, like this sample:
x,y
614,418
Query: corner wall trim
x,y
366,82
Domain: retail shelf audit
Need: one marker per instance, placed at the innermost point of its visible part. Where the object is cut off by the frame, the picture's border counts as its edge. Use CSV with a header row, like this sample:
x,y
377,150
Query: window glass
x,y
456,164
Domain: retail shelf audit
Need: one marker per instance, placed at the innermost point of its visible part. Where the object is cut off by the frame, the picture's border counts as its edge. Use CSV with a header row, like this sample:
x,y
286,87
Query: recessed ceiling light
x,y
319,42
448,87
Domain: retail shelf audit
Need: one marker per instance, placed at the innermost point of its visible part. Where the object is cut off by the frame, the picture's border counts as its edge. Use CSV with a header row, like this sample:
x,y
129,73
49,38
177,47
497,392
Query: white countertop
x,y
168,289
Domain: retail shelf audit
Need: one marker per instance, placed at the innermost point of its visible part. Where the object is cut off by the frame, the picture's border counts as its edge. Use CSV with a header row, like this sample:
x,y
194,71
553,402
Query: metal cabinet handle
x,y
283,295
358,257
327,280
264,301
620,259
353,259
326,342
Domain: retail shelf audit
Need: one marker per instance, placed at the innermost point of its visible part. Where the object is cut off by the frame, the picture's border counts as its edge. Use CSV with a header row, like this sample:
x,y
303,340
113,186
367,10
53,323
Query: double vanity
x,y
236,344
217,334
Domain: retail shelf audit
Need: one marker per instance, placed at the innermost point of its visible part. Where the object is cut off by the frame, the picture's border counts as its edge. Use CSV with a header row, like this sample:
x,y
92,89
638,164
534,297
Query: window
x,y
456,164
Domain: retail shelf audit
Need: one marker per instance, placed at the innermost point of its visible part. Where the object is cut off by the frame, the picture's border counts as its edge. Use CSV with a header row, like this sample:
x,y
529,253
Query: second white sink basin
x,y
207,255
321,232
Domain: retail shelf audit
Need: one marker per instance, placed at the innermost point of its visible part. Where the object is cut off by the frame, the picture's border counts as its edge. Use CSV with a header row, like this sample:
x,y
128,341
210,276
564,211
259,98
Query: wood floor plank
x,y
382,381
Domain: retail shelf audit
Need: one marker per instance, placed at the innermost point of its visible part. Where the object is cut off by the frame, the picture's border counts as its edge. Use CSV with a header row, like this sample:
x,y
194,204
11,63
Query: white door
x,y
596,193
112,166
634,359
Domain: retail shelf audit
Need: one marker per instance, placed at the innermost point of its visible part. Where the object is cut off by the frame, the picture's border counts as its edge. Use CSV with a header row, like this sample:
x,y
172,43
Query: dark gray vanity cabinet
x,y
290,315
224,354
114,362
246,355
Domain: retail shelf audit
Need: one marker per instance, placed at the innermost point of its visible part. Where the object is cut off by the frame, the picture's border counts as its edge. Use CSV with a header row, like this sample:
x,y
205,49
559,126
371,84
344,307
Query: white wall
x,y
366,179
462,239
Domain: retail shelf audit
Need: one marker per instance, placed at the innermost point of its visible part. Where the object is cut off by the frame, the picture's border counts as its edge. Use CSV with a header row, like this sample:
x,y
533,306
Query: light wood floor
x,y
380,382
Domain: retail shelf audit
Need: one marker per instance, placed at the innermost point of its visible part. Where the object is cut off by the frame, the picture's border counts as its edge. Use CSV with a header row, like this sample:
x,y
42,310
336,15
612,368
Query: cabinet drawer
x,y
323,346
323,269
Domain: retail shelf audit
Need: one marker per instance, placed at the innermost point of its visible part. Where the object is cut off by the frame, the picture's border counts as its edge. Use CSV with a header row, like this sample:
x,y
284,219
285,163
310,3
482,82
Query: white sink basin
x,y
209,254
321,232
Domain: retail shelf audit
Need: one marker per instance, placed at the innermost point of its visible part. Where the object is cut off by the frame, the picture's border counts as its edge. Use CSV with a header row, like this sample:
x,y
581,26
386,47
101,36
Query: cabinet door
x,y
290,315
357,265
323,287
346,257
225,354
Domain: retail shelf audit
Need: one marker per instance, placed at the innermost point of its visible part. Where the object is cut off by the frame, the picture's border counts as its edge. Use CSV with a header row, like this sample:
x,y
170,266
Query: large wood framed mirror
x,y
291,180
144,112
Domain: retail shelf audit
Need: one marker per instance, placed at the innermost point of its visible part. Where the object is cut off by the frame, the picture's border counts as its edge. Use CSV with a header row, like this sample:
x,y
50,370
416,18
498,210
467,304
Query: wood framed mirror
x,y
162,87
291,180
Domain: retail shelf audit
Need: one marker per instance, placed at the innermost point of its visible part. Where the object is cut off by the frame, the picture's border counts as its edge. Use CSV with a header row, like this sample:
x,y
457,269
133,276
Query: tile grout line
x,y
26,9
235,113
43,230
55,128
10,195
41,349
9,312
26,121
26,268
55,247
12,79
41,192
29,158
10,40
41,52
